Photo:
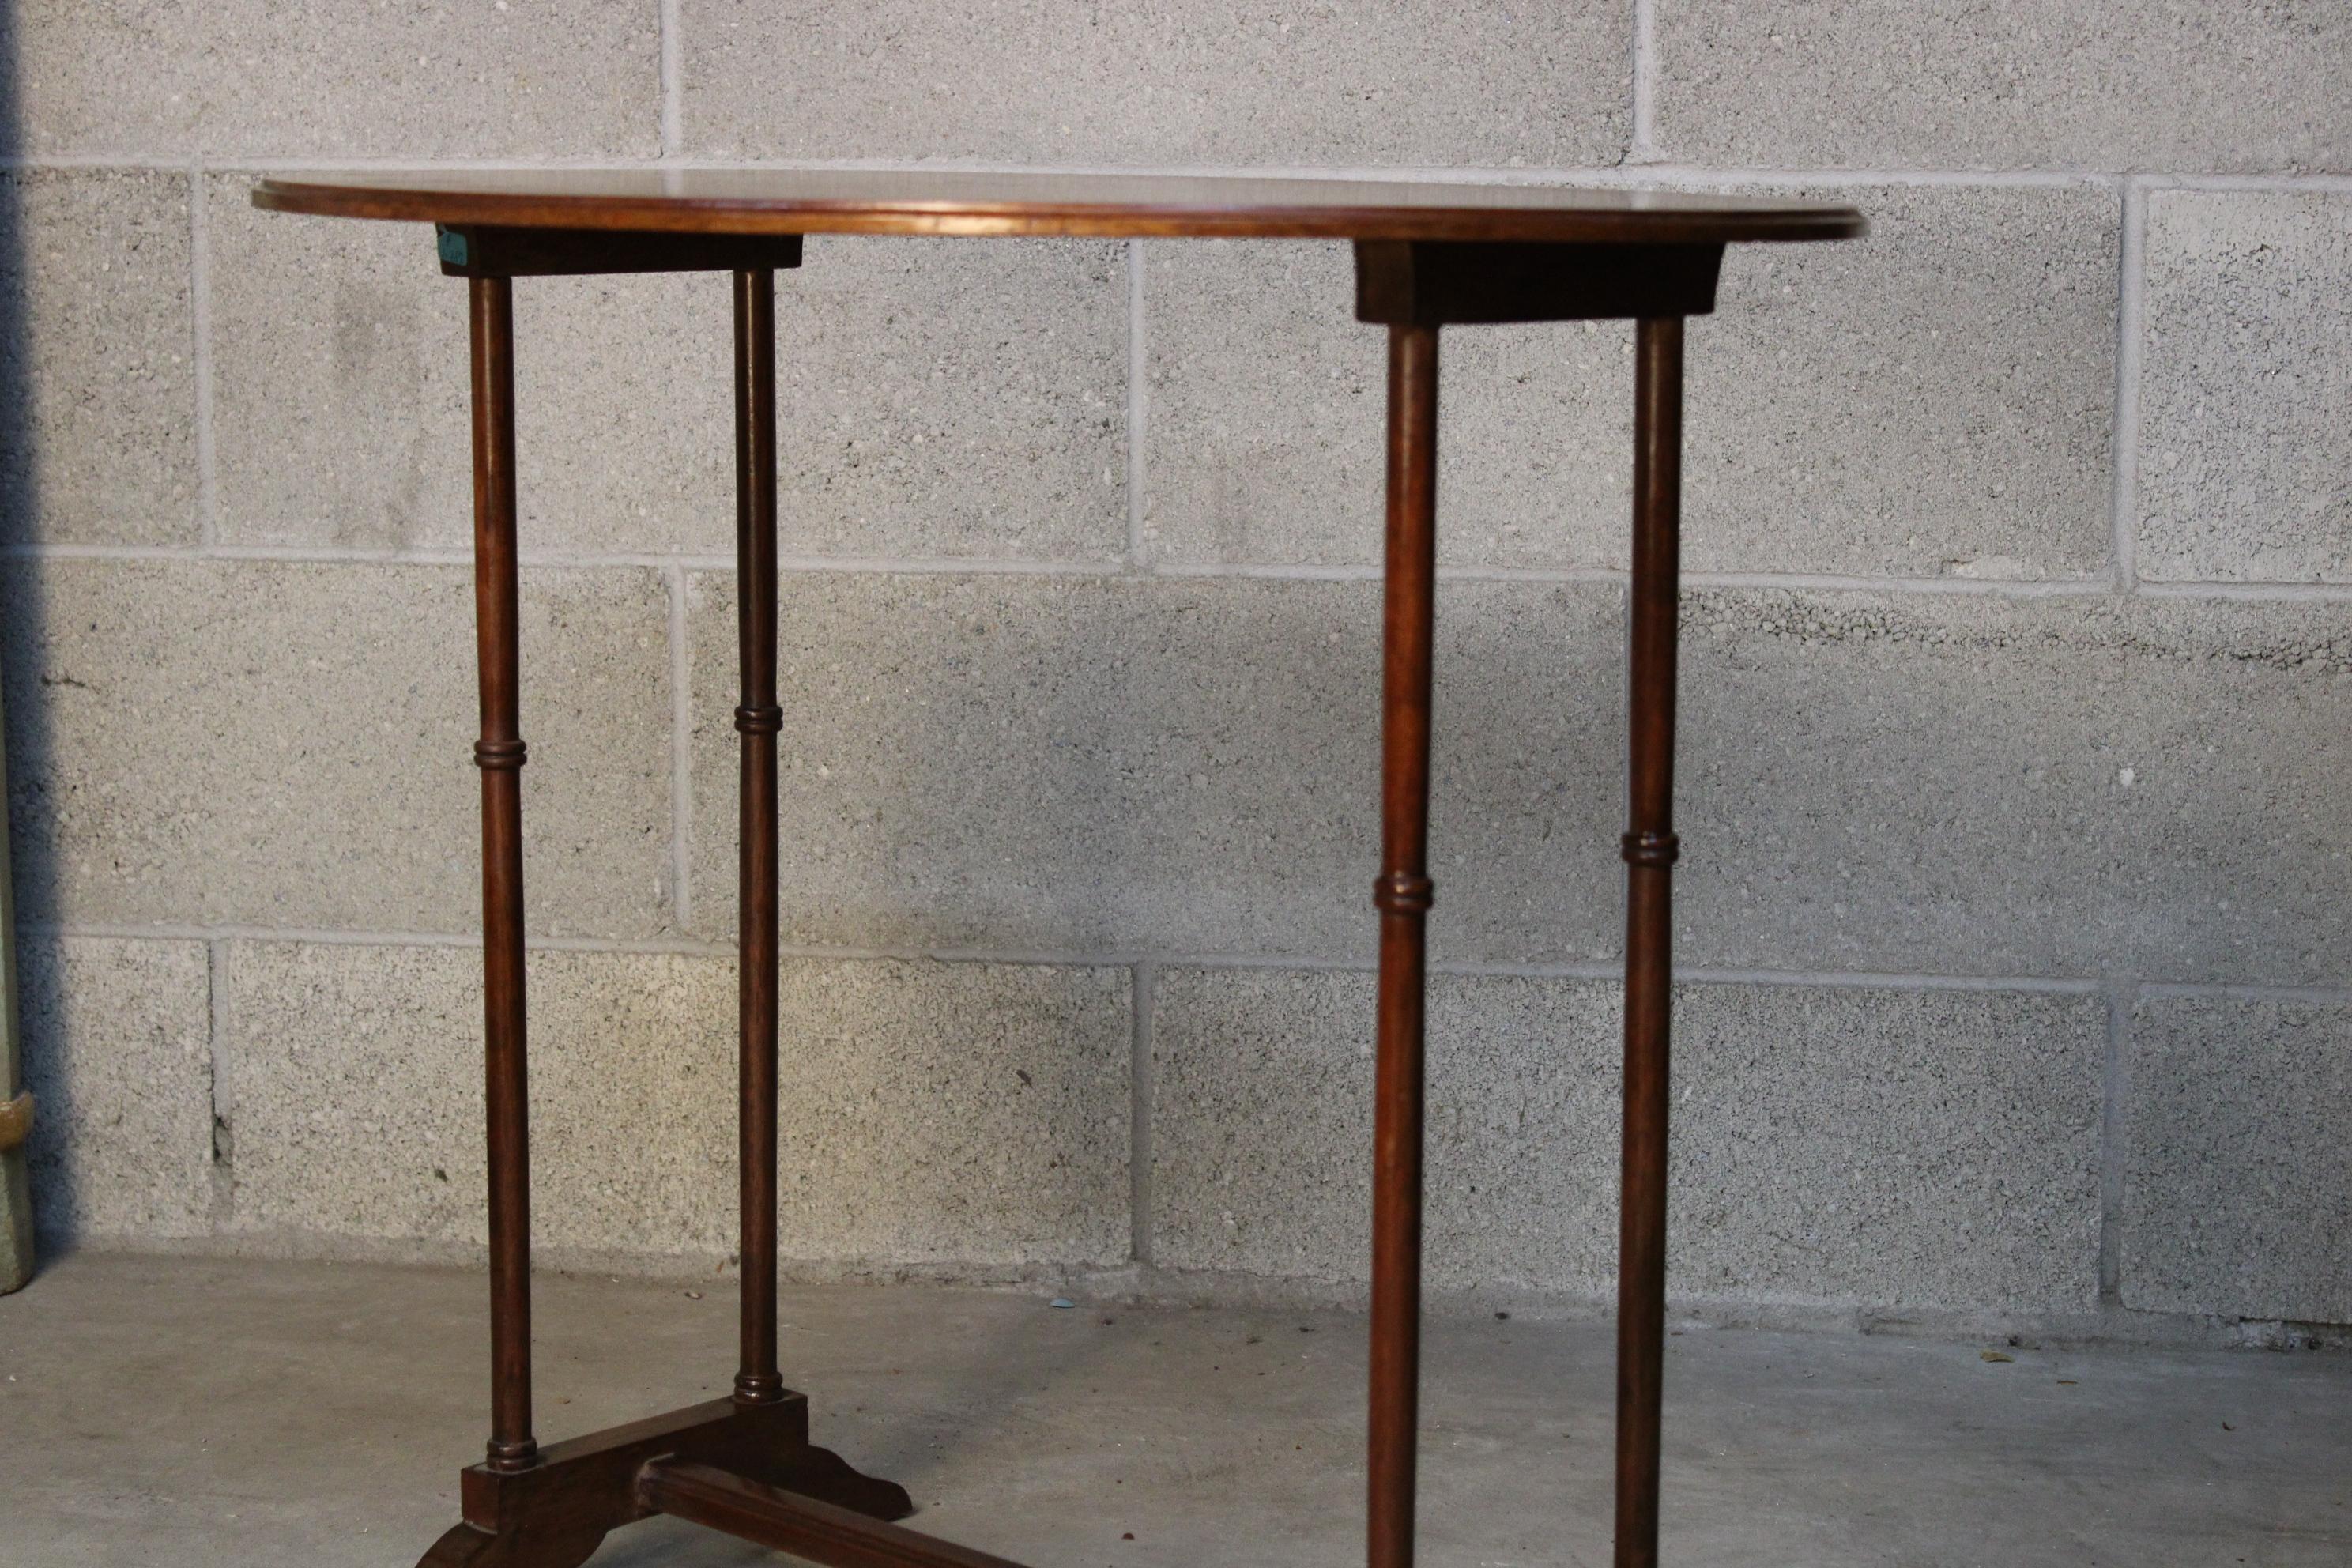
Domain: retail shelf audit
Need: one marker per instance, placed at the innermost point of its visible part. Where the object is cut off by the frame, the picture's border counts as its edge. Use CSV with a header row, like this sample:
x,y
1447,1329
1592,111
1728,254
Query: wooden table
x,y
1427,256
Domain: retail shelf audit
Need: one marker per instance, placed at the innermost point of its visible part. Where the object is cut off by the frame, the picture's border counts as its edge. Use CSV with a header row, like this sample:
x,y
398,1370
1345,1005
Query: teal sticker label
x,y
452,244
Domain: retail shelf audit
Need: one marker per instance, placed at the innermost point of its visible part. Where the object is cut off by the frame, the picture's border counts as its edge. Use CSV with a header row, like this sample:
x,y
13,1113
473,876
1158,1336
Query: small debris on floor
x,y
1994,1355
694,1295
1062,1302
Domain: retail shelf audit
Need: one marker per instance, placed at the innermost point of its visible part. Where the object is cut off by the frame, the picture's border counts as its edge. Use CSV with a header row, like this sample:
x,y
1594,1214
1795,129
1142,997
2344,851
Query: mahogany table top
x,y
962,202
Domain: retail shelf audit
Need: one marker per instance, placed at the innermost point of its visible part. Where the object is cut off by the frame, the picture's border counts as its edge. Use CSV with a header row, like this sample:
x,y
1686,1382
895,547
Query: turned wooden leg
x,y
757,1380
1402,895
1413,287
499,755
524,1506
1649,849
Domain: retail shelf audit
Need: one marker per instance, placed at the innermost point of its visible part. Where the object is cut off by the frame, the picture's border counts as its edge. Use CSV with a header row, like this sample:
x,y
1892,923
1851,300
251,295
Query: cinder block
x,y
340,400
168,78
339,373
290,745
2237,1196
942,1114
1934,1149
1262,1123
1923,403
118,1053
1933,400
934,399
1420,84
1265,399
2246,387
947,1112
101,387
1072,763
1925,1149
943,398
2059,787
2009,85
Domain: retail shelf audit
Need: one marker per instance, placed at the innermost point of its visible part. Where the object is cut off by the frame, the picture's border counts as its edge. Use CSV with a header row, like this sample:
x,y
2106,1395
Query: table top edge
x,y
380,196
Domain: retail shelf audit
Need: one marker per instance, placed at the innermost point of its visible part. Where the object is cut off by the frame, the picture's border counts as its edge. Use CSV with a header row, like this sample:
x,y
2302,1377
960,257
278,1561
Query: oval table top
x,y
962,202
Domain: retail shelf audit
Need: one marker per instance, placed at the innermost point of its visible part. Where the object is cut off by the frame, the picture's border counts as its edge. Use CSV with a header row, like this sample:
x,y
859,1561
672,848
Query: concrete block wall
x,y
2018,685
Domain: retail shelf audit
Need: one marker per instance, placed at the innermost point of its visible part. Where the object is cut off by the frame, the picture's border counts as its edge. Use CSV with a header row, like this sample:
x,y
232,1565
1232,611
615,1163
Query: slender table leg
x,y
1649,849
499,755
1402,895
525,1507
758,719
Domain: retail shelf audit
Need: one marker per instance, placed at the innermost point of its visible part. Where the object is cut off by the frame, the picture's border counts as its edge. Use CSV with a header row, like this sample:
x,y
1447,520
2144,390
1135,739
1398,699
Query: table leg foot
x,y
821,1473
552,1514
465,1546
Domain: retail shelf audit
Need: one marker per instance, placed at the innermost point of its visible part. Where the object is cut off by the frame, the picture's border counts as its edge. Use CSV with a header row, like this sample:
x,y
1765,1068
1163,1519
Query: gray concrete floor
x,y
194,1411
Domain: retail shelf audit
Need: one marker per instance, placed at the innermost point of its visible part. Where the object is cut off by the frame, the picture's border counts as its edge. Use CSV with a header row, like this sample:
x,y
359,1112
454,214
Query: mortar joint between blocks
x,y
2131,265
1641,87
1139,557
2121,993
200,353
672,107
264,162
1601,971
1144,979
2244,592
220,1089
681,786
